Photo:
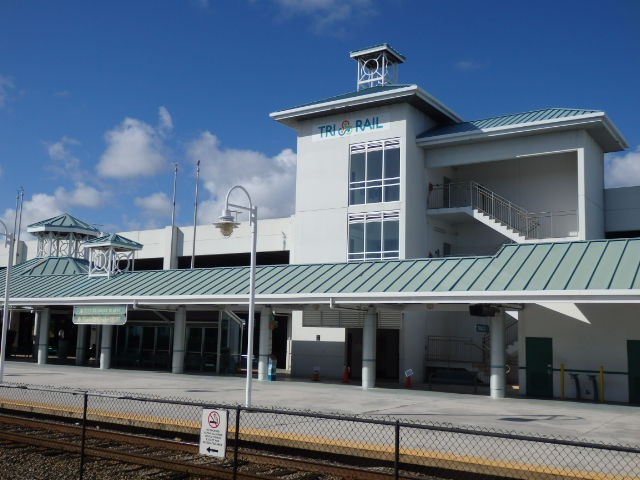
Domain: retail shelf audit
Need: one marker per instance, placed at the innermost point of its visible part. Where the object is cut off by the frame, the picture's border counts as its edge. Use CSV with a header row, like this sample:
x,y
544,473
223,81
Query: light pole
x,y
5,310
227,223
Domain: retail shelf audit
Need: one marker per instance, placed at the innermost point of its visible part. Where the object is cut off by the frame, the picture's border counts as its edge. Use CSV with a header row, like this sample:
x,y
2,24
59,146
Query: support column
x,y
219,344
179,333
81,345
172,236
42,317
369,349
264,349
105,347
498,380
234,342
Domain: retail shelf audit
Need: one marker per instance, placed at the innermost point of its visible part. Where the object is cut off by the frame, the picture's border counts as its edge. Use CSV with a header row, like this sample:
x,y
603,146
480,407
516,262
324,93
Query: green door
x,y
633,356
539,367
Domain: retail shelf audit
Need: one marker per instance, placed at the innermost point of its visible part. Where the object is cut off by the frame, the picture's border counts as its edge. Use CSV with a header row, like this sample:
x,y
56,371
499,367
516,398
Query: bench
x,y
454,377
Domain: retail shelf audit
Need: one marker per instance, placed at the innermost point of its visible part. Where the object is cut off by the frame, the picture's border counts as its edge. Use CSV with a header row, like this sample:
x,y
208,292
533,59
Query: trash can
x,y
271,368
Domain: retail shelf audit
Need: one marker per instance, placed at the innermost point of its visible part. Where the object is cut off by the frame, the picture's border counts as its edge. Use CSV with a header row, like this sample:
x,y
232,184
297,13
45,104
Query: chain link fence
x,y
397,447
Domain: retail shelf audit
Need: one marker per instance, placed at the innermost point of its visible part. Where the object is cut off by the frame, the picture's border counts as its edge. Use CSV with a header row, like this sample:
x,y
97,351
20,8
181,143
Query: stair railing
x,y
472,194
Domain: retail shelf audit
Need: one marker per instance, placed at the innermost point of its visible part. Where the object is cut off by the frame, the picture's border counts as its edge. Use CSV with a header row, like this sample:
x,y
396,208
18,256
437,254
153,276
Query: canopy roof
x,y
373,97
594,121
64,223
580,272
113,240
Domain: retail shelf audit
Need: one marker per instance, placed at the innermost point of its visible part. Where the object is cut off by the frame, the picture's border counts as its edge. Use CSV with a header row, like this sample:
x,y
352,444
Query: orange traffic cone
x,y
345,375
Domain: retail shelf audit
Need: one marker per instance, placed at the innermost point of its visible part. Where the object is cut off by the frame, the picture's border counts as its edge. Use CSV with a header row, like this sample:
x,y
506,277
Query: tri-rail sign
x,y
213,432
100,314
349,127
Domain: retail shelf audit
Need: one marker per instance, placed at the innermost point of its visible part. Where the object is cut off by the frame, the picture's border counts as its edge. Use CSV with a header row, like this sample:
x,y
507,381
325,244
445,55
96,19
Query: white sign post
x,y
213,432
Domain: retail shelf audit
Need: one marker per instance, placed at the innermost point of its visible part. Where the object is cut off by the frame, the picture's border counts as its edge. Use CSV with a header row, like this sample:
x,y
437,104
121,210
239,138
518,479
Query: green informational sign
x,y
100,314
482,328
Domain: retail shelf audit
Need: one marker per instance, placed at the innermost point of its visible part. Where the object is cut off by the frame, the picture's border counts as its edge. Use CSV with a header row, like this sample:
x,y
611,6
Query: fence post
x,y
236,444
84,432
396,463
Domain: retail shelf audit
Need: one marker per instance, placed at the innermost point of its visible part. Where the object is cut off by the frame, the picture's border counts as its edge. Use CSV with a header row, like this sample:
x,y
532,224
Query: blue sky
x,y
98,99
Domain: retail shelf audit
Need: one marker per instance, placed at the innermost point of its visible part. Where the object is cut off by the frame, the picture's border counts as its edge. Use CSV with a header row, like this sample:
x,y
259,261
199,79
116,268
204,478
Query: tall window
x,y
374,172
374,236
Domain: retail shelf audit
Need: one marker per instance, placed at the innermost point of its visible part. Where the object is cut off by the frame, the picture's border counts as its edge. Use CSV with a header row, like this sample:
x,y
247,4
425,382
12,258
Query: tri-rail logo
x,y
349,127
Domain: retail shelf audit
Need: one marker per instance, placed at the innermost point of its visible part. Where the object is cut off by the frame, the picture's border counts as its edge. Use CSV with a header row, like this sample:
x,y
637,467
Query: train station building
x,y
422,244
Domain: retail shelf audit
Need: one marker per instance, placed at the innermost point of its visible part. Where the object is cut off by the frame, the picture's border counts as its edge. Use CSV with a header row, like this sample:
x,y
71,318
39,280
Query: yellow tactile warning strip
x,y
434,458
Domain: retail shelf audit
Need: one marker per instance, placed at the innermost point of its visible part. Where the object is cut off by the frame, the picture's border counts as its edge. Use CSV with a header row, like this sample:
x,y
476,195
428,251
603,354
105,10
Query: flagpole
x,y
173,208
195,217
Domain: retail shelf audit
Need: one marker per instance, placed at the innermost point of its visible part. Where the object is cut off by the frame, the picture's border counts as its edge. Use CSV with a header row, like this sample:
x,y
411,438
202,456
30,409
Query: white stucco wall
x,y
413,189
322,183
274,234
593,188
582,346
622,209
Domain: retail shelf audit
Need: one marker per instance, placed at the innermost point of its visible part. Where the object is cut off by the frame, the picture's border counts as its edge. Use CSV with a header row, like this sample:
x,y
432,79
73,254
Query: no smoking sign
x,y
214,419
213,432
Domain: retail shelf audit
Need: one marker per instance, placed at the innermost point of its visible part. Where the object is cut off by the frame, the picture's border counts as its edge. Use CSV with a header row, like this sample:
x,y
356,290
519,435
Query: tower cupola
x,y
62,236
377,66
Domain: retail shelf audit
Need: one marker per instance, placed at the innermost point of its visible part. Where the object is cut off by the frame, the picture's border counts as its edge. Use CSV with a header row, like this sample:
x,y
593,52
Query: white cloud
x,y
60,152
155,207
166,122
269,180
135,149
42,205
6,87
622,170
82,196
326,14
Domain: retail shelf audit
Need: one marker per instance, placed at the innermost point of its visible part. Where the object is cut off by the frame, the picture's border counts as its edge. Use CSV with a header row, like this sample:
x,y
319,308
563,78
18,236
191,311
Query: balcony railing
x,y
531,225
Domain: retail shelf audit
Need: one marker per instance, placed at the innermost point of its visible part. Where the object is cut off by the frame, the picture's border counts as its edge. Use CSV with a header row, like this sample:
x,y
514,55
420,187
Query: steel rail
x,y
180,446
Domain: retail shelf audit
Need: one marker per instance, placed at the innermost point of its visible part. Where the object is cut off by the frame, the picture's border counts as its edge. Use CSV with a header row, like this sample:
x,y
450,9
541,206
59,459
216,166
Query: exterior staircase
x,y
486,206
498,226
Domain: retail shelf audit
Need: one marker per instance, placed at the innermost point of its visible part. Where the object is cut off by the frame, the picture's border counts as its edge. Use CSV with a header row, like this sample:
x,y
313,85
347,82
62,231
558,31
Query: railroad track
x,y
177,456
285,444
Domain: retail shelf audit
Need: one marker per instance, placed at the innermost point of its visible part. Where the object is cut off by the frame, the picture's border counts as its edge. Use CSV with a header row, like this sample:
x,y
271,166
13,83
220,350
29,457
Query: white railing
x,y
530,225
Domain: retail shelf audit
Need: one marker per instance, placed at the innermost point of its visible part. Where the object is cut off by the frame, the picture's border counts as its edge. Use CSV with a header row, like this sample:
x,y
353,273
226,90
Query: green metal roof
x,y
64,223
113,240
508,121
46,266
369,98
567,269
356,94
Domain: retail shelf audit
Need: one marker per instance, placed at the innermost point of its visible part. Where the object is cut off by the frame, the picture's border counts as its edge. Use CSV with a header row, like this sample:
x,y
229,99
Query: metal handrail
x,y
474,195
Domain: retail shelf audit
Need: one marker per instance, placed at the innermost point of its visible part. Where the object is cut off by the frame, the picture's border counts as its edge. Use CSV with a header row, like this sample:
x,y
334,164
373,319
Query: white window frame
x,y
371,217
377,183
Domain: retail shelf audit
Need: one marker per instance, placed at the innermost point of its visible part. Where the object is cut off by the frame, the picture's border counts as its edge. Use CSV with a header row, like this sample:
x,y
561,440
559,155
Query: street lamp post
x,y
227,223
5,310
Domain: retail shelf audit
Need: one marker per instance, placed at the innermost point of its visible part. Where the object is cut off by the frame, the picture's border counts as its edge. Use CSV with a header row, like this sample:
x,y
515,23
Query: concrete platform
x,y
594,422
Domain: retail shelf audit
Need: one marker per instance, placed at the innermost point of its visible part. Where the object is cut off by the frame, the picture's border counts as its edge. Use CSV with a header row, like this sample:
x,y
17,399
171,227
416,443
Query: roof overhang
x,y
603,131
411,94
374,298
58,229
